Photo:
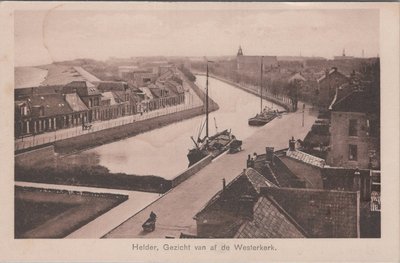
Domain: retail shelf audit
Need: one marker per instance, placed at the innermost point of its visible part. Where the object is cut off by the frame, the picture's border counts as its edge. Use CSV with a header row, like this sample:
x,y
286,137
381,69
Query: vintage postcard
x,y
190,132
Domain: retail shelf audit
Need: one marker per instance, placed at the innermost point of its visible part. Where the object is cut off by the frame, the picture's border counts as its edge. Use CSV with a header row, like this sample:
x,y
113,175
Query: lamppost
x,y
302,123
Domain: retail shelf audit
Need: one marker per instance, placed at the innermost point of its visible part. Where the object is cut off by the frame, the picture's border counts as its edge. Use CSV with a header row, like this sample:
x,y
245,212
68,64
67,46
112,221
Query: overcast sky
x,y
43,37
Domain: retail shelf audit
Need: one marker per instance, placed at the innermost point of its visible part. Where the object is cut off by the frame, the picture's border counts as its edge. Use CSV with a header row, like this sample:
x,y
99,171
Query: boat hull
x,y
217,144
261,121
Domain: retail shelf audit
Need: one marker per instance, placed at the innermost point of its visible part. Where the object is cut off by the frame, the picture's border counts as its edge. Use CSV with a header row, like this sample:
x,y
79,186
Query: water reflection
x,y
163,151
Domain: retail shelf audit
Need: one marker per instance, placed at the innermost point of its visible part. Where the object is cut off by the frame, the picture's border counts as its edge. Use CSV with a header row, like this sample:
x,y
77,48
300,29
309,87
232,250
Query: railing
x,y
192,101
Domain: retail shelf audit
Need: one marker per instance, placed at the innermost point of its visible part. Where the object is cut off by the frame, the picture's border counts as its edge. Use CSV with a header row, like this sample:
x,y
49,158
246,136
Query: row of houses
x,y
79,103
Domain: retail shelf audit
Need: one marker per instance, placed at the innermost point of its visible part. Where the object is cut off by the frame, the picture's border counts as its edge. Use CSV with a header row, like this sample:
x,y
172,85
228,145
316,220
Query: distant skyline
x,y
42,37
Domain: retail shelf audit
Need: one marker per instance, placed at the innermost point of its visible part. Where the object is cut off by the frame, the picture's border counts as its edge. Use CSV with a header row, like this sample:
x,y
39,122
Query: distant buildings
x,y
343,56
251,65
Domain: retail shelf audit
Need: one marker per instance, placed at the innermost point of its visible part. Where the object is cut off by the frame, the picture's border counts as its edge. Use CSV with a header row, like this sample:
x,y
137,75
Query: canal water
x,y
162,152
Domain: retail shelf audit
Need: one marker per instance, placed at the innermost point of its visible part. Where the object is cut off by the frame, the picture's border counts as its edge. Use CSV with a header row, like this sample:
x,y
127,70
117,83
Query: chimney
x,y
223,184
250,162
269,152
292,144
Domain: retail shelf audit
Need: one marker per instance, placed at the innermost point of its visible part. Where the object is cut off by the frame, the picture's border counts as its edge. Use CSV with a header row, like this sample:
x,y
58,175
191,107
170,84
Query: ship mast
x,y
261,84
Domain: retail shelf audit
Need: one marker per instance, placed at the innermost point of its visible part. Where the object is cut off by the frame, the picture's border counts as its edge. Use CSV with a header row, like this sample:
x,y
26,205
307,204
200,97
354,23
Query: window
x,y
24,110
352,127
352,152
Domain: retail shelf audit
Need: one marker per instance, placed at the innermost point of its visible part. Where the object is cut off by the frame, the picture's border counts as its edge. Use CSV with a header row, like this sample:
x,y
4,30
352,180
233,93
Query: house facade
x,y
355,132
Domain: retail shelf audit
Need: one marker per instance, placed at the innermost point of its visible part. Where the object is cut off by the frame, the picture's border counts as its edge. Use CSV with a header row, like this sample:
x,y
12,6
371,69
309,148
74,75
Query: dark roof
x,y
322,213
277,172
112,86
249,182
81,88
224,212
269,222
53,104
358,101
24,92
332,71
313,140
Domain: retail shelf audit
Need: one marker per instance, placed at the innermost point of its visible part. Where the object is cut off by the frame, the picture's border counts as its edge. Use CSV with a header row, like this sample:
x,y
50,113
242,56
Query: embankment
x,y
191,171
91,176
35,157
287,106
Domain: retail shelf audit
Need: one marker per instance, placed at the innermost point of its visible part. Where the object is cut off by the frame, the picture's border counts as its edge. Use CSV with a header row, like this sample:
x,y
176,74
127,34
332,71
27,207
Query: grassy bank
x,y
48,213
91,176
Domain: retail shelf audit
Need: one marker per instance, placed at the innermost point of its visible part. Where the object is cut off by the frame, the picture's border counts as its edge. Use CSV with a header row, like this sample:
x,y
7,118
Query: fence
x,y
57,135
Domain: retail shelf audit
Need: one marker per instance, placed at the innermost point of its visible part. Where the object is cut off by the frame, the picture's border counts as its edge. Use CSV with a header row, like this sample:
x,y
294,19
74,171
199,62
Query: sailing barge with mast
x,y
211,145
266,114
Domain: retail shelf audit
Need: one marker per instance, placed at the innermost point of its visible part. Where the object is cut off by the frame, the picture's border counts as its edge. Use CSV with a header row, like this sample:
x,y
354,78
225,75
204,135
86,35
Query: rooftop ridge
x,y
265,180
310,190
273,175
292,154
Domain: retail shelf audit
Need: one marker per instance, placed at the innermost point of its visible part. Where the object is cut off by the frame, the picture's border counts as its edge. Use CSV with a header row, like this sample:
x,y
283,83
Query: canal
x,y
162,152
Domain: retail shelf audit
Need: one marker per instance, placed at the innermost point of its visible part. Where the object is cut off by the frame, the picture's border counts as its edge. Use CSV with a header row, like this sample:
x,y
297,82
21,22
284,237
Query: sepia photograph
x,y
208,122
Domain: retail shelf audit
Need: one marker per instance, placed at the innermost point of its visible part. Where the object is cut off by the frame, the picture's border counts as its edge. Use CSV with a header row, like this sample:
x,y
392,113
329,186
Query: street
x,y
176,209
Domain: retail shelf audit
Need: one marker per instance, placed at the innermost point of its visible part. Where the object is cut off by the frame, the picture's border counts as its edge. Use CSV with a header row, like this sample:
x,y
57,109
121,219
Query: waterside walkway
x,y
176,209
